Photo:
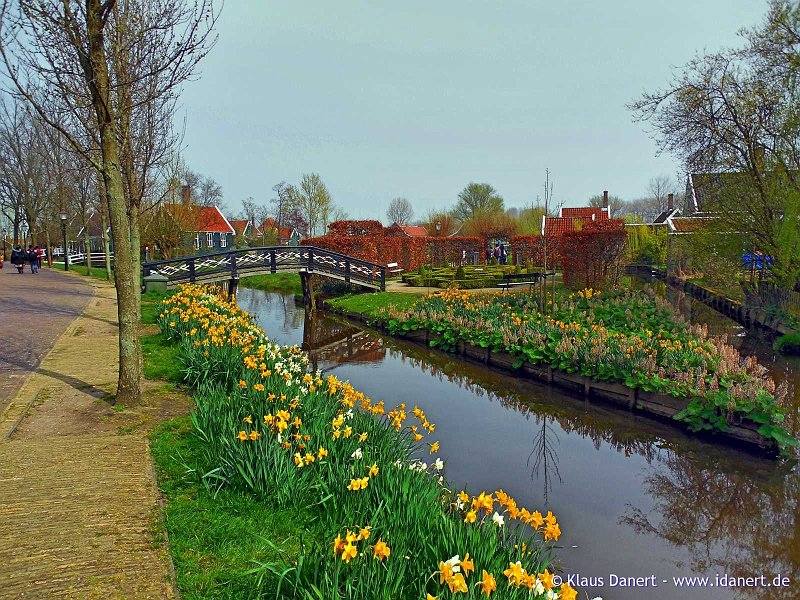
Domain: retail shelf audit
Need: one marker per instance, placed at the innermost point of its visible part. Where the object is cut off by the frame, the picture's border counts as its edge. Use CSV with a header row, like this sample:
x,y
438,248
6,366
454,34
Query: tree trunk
x,y
96,72
49,247
106,248
88,244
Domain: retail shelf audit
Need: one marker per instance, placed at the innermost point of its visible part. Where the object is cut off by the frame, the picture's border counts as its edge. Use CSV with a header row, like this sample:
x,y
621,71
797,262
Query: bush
x,y
460,274
788,343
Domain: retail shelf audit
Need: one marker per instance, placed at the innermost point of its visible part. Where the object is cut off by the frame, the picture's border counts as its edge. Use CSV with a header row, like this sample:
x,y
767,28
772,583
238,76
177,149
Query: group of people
x,y
33,256
499,253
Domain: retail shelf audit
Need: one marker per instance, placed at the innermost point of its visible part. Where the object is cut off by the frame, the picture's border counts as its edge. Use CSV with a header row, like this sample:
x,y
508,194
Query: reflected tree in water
x,y
544,456
740,524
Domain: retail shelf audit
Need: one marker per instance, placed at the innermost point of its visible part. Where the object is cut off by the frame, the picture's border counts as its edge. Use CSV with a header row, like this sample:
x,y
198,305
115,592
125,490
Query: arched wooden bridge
x,y
232,264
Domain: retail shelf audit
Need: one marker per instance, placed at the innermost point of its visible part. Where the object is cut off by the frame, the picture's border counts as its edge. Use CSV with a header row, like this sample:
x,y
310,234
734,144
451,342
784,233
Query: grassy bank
x,y
373,306
217,538
284,283
378,521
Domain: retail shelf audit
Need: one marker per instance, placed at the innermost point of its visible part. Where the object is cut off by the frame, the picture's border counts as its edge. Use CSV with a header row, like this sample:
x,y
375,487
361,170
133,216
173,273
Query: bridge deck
x,y
229,265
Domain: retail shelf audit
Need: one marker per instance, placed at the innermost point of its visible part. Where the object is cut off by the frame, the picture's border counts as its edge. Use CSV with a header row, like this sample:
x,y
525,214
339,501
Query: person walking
x,y
18,259
39,256
503,255
33,259
488,252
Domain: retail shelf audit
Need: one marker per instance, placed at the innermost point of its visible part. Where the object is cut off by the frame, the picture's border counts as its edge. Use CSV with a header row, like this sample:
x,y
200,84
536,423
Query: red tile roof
x,y
409,230
239,225
269,224
201,218
414,230
555,226
586,213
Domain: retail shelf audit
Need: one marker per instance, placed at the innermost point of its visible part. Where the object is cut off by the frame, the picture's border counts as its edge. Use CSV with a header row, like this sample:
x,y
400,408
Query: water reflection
x,y
635,496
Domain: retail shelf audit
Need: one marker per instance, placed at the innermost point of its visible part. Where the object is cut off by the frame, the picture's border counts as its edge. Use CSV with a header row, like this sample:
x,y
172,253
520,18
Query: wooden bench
x,y
514,279
394,269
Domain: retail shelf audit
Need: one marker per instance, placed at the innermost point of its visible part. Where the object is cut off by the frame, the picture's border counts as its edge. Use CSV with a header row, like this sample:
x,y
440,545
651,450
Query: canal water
x,y
635,498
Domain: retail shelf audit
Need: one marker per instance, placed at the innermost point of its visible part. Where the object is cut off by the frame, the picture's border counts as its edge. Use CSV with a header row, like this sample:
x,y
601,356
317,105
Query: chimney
x,y
186,195
605,199
670,201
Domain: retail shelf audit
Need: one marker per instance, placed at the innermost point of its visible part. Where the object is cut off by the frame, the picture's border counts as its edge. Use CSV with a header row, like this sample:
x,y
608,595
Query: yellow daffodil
x,y
434,447
381,550
487,583
547,579
349,552
242,437
364,532
567,592
373,470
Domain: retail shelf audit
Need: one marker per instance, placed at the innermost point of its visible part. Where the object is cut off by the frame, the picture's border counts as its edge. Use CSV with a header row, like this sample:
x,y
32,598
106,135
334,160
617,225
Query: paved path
x,y
34,311
79,512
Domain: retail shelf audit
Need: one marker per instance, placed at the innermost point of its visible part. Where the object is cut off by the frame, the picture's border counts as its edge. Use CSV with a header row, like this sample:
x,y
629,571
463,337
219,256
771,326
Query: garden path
x,y
79,511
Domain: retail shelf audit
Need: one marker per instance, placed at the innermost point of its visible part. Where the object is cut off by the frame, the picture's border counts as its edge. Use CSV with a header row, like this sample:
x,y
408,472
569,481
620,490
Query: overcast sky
x,y
417,99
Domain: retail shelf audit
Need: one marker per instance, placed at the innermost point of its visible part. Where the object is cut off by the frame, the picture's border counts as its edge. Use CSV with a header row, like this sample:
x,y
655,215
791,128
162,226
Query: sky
x,y
417,99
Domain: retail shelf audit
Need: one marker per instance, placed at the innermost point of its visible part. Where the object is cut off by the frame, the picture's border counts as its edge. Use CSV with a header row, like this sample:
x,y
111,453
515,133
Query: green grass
x,y
215,539
161,359
288,283
373,304
150,304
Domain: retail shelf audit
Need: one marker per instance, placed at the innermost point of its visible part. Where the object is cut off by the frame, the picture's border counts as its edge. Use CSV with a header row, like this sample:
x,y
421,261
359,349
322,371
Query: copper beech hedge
x,y
588,258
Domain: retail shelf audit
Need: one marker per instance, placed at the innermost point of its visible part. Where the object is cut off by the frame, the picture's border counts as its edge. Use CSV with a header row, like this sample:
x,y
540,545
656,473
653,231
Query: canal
x,y
635,497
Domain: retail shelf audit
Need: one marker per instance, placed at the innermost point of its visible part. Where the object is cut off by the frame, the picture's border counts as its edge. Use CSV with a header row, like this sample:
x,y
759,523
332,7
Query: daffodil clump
x,y
632,338
384,518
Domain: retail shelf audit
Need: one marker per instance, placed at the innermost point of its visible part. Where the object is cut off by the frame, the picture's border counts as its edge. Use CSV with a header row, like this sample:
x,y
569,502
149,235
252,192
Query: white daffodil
x,y
349,414
551,595
357,454
498,519
459,504
439,464
538,588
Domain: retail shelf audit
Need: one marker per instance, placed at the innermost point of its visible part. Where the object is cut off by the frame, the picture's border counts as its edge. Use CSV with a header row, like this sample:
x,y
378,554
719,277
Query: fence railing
x,y
231,264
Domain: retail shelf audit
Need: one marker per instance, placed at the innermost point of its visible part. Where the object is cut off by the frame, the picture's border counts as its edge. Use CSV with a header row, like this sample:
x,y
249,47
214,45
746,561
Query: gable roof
x,y
240,226
410,230
269,224
691,224
205,219
587,213
556,226
662,218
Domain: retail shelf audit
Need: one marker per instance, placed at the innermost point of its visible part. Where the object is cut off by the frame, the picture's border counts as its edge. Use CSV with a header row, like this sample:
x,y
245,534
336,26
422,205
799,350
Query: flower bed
x,y
632,338
385,524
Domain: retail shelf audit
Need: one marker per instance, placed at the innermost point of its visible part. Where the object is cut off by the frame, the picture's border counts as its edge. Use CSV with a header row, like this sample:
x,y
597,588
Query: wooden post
x,y
307,282
273,268
233,285
191,271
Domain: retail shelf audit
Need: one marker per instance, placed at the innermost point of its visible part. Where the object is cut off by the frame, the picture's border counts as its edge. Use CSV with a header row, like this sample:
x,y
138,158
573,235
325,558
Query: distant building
x,y
287,236
242,227
573,219
406,230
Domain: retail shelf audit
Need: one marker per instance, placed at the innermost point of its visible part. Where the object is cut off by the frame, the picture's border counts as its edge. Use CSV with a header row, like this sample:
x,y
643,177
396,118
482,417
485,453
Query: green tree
x,y
313,201
477,197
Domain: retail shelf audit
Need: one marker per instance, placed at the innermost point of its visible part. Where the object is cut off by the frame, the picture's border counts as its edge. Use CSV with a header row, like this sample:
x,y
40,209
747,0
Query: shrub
x,y
460,273
788,343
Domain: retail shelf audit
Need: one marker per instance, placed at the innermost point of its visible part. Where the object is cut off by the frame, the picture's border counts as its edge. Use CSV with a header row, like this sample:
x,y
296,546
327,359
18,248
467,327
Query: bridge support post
x,y
233,285
307,280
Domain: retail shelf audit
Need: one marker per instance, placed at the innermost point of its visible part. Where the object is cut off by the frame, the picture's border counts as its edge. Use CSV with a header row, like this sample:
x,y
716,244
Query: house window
x,y
223,240
197,241
210,240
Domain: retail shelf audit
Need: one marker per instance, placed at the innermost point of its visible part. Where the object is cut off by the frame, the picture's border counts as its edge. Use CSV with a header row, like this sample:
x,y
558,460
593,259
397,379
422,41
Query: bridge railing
x,y
231,264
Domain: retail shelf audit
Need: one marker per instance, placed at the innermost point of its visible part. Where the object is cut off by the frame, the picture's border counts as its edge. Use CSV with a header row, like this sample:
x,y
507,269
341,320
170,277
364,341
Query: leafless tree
x,y
101,72
400,211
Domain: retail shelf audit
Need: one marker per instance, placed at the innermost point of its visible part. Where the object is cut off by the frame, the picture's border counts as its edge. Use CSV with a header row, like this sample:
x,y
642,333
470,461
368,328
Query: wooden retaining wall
x,y
744,315
658,405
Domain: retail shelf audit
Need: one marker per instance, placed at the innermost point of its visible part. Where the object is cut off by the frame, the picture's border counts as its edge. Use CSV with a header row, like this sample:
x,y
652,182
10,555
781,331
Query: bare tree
x,y
92,70
400,211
